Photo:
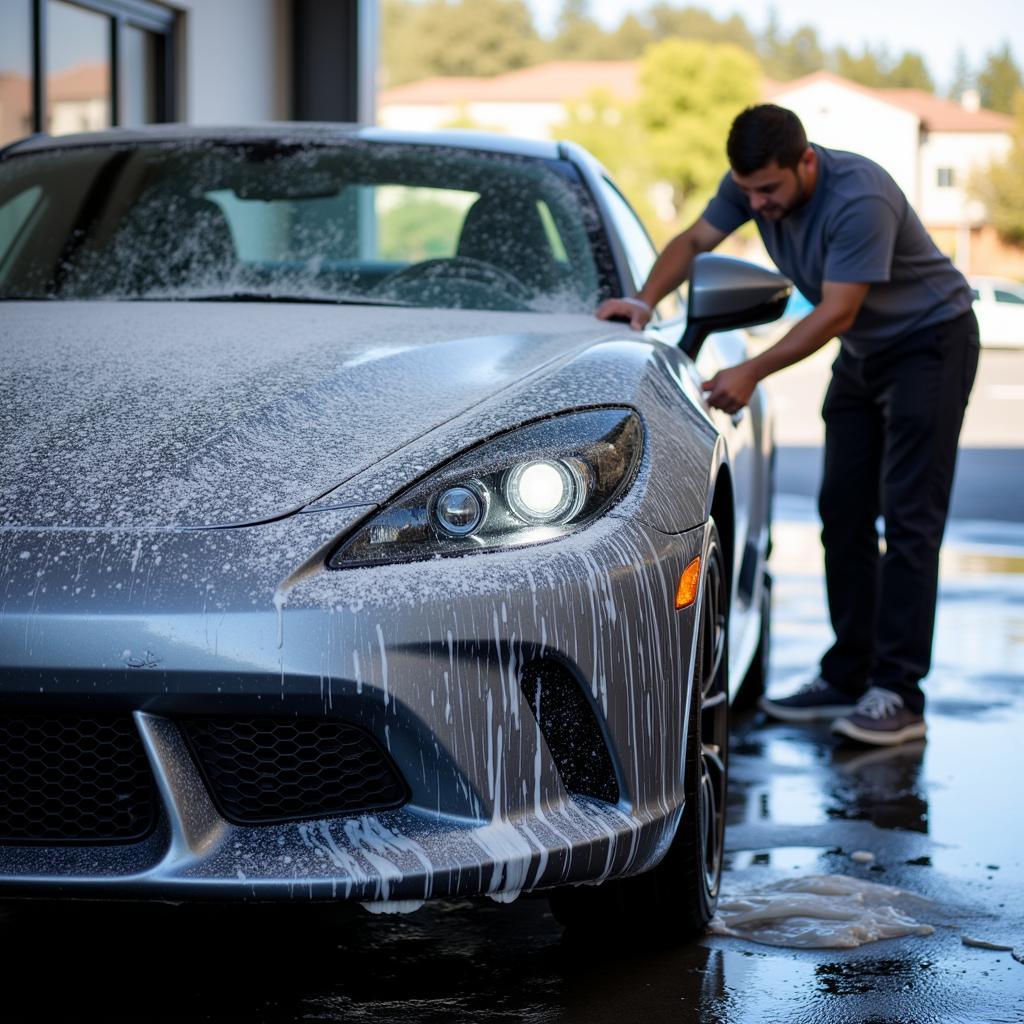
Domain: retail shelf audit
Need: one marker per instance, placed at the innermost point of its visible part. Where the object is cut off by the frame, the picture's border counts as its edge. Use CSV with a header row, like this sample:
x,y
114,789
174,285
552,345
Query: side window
x,y
640,252
14,215
975,295
1015,298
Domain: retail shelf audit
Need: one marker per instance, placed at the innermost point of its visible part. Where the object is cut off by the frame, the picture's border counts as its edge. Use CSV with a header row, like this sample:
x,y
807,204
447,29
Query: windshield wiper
x,y
326,300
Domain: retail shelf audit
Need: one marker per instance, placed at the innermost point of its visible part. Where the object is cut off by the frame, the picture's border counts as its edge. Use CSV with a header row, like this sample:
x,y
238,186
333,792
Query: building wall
x,y
528,120
843,118
963,152
233,61
979,250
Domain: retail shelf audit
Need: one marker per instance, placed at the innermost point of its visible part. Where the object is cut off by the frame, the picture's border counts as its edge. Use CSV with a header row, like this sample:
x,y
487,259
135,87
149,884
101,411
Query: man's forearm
x,y
813,332
670,269
730,389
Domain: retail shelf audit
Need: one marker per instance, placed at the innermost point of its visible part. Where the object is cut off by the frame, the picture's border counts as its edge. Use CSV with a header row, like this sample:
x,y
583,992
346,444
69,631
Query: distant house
x,y
931,146
532,102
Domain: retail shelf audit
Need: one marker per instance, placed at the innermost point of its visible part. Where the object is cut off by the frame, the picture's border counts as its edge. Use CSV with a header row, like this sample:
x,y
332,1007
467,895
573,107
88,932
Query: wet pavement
x,y
943,820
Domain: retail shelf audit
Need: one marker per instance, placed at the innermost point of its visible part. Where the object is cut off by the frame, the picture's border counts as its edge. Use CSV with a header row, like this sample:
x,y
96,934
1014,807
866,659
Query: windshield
x,y
358,221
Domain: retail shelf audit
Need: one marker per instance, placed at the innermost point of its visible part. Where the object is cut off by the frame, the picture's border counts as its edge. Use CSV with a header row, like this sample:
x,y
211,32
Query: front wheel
x,y
677,897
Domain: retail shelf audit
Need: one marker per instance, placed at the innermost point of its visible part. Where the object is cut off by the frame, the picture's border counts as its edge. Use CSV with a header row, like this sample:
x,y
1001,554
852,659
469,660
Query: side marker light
x,y
688,583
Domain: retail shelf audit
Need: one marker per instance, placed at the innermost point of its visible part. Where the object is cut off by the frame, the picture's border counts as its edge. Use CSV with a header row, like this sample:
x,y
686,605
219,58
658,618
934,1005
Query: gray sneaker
x,y
881,720
816,701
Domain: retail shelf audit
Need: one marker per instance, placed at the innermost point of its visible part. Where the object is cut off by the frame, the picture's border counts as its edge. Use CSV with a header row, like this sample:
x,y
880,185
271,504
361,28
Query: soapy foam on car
x,y
817,912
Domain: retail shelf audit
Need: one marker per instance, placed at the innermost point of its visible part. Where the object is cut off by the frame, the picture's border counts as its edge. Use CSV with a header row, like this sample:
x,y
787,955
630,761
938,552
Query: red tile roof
x,y
939,115
554,82
561,81
81,82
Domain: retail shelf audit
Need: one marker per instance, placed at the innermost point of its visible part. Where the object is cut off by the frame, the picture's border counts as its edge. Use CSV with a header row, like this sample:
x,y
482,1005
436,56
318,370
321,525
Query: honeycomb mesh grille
x,y
73,779
283,769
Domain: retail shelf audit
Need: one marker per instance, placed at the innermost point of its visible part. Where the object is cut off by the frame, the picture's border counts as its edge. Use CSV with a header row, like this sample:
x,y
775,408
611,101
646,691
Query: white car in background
x,y
999,306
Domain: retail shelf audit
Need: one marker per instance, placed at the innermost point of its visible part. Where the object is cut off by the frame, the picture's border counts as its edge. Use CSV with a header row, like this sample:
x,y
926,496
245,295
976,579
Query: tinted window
x,y
640,251
1015,298
409,224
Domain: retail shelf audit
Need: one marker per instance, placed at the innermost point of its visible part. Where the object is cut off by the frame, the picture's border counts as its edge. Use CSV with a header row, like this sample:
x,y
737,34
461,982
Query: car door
x,y
1007,315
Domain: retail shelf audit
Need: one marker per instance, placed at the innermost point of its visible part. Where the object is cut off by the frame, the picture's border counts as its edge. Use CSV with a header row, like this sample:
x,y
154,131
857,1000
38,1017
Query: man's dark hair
x,y
765,134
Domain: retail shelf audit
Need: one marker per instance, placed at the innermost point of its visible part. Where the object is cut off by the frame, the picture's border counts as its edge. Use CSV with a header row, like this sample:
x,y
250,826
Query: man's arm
x,y
730,389
670,270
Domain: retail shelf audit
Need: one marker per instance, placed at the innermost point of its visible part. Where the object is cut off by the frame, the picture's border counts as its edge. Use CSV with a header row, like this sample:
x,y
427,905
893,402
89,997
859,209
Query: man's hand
x,y
670,270
635,312
730,389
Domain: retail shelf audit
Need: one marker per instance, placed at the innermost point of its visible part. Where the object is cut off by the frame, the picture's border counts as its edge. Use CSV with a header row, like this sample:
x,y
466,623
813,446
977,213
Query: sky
x,y
936,28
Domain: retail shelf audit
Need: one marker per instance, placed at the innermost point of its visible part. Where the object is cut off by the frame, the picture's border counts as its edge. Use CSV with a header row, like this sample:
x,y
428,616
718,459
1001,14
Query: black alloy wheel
x,y
714,718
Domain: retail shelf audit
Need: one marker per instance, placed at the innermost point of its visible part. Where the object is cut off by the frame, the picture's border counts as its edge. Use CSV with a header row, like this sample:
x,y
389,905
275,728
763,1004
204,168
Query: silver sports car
x,y
345,554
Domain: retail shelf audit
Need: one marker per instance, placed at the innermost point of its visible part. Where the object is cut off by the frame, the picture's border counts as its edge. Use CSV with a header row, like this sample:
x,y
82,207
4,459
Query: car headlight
x,y
532,484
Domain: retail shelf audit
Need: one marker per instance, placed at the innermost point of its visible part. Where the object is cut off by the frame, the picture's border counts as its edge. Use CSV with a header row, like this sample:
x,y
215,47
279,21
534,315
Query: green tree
x,y
670,22
631,38
963,77
793,56
577,35
614,133
999,79
690,93
878,69
869,67
1001,186
455,37
910,72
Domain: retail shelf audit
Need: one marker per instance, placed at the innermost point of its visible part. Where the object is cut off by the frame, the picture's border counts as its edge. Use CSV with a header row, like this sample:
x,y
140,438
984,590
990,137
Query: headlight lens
x,y
533,484
460,510
544,491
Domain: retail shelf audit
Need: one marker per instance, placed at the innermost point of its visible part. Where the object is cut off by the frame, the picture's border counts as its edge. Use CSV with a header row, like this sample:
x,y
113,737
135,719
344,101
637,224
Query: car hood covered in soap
x,y
160,414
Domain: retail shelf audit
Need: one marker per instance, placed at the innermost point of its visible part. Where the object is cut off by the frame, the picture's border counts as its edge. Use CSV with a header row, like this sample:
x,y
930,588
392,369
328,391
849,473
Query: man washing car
x,y
839,226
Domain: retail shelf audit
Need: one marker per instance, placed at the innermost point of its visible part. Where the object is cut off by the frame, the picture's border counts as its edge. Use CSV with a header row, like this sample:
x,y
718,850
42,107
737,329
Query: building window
x,y
79,83
945,177
84,65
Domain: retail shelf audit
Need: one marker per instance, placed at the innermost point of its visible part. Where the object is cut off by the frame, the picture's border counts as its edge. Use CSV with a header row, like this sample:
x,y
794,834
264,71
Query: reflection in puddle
x,y
818,912
883,786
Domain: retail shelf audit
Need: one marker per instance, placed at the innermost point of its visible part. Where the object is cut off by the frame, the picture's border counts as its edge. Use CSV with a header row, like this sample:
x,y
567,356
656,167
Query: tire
x,y
675,899
756,680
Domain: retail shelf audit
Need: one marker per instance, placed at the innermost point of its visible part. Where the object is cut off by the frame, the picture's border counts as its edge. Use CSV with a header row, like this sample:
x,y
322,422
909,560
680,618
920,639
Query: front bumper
x,y
428,658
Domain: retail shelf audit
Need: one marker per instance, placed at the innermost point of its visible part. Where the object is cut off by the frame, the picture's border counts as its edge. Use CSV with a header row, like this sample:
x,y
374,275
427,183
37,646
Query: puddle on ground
x,y
818,912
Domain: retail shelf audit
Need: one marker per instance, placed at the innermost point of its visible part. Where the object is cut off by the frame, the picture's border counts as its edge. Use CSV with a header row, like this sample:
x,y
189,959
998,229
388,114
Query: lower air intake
x,y
571,730
73,779
262,770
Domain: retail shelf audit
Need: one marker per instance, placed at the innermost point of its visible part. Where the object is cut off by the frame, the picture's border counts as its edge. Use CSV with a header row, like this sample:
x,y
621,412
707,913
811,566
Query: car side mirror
x,y
726,293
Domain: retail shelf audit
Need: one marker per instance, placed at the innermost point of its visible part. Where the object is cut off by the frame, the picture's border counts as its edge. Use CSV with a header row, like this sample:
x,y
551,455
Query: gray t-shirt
x,y
857,227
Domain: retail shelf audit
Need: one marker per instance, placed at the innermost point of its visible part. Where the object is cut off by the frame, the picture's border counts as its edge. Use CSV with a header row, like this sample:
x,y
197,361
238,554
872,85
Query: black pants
x,y
892,422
